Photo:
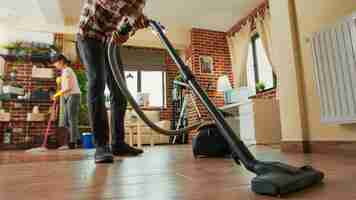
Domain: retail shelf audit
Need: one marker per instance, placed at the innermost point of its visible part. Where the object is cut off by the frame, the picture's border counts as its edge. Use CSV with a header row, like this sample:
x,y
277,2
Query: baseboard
x,y
331,147
293,146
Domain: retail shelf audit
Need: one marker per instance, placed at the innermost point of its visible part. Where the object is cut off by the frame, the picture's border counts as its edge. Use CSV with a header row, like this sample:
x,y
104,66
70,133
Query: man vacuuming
x,y
100,19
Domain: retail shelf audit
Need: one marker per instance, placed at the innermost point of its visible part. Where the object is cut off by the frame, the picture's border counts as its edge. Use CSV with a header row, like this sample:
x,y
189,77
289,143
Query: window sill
x,y
261,93
266,90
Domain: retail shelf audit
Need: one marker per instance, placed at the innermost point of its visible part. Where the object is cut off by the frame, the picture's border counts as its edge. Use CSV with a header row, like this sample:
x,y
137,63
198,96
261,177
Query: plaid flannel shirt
x,y
99,18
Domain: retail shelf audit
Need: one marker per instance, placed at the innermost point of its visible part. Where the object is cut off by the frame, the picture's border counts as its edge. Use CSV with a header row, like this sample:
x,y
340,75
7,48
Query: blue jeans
x,y
93,55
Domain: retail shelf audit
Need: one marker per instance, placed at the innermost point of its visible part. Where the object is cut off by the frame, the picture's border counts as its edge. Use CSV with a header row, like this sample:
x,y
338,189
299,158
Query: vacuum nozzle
x,y
277,179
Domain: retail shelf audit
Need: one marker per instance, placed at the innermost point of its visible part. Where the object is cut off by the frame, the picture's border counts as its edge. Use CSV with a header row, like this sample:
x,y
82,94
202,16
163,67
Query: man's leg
x,y
118,108
92,53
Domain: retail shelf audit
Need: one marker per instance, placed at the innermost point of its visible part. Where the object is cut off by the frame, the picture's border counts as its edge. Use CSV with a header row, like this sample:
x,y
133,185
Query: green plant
x,y
83,114
178,77
260,86
8,46
24,48
13,69
83,111
82,80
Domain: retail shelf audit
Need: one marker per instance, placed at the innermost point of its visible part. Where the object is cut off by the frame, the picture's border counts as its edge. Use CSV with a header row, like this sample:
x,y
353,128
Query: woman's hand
x,y
54,98
57,95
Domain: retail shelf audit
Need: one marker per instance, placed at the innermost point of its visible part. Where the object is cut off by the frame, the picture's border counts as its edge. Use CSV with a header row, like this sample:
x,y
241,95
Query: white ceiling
x,y
207,14
32,15
17,11
179,16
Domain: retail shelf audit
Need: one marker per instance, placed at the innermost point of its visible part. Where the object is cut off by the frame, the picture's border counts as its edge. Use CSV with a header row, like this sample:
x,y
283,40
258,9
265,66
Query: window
x,y
151,82
132,82
259,70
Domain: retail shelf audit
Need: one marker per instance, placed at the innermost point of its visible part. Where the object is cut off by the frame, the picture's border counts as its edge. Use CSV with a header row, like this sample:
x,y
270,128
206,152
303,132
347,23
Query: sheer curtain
x,y
263,27
238,44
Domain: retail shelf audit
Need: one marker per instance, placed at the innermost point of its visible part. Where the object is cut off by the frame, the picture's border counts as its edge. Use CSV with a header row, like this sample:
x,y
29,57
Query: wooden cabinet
x,y
257,121
260,122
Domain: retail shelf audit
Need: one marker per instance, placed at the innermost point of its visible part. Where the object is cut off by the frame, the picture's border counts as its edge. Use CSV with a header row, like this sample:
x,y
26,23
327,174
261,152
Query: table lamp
x,y
224,86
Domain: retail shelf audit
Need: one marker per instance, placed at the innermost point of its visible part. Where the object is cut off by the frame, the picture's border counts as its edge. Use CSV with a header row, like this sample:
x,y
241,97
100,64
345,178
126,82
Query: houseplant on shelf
x,y
13,73
260,87
21,51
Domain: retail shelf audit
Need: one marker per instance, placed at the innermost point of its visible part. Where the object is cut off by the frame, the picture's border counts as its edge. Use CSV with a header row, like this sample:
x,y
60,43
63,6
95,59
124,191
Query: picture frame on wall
x,y
206,64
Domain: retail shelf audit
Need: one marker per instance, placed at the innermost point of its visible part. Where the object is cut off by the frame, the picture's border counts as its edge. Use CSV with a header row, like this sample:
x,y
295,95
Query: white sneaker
x,y
64,147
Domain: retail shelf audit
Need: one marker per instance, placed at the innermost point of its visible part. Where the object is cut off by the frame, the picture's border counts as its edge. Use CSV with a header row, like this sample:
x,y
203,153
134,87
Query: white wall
x,y
312,16
293,21
10,35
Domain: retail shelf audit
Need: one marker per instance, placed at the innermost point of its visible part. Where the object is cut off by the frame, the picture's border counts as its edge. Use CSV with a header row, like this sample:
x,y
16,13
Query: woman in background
x,y
70,92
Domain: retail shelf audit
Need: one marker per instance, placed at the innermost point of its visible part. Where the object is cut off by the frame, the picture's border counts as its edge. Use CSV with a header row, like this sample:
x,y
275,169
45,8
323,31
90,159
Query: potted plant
x,y
9,48
260,87
13,73
83,111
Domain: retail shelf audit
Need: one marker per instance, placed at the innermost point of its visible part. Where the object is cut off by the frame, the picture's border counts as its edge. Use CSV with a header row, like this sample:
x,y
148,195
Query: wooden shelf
x,y
8,147
26,101
19,114
27,58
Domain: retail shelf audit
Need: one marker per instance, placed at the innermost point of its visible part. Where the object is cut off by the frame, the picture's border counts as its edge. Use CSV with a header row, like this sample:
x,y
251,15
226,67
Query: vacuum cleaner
x,y
273,178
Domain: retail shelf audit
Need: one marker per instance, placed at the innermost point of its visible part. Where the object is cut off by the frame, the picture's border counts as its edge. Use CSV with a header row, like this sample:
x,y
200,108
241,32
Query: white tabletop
x,y
234,105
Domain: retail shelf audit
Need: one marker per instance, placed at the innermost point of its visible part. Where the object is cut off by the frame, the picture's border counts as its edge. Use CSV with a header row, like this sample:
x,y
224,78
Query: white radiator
x,y
334,52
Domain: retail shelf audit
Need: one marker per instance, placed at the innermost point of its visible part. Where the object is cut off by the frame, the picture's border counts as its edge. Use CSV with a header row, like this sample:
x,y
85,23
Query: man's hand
x,y
141,22
120,39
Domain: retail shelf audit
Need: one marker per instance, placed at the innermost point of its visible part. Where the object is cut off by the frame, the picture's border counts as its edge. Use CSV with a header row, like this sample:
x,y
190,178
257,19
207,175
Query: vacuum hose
x,y
273,178
120,81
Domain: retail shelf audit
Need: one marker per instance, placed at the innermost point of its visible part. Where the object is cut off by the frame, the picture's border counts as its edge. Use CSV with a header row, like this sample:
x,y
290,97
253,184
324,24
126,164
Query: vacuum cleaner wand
x,y
272,178
240,150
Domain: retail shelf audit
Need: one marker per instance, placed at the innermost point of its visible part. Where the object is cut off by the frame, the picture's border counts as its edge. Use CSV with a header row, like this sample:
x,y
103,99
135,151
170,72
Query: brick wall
x,y
19,109
213,44
24,71
18,121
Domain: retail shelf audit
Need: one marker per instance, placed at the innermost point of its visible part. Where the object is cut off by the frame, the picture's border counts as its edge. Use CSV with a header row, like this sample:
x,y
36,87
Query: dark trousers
x,y
71,112
93,56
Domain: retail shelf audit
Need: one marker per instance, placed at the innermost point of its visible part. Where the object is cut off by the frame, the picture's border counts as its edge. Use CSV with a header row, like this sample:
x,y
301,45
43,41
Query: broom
x,y
53,112
52,117
43,147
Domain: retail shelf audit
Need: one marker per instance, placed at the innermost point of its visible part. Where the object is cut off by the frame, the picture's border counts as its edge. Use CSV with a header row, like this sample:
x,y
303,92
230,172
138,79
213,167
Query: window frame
x,y
164,84
253,41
